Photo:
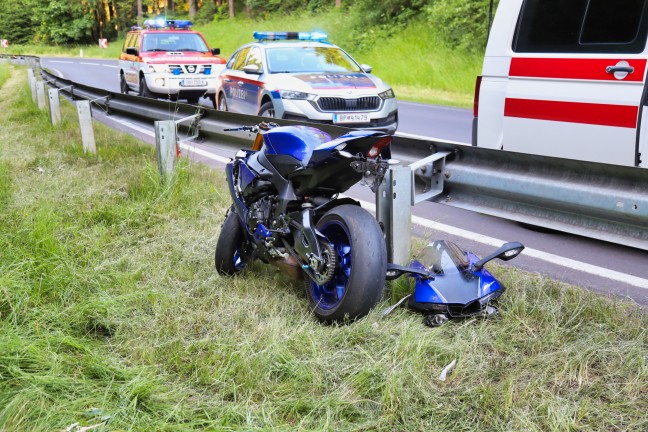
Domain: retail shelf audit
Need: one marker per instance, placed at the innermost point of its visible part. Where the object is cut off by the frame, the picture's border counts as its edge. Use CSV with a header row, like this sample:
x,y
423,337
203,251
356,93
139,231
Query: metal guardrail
x,y
606,202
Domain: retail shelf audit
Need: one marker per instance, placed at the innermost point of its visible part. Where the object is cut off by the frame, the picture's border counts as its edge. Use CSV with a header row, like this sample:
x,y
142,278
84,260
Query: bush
x,y
461,23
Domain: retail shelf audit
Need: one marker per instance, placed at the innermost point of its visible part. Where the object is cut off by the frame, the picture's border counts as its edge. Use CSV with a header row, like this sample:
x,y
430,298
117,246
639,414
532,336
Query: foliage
x,y
16,23
460,23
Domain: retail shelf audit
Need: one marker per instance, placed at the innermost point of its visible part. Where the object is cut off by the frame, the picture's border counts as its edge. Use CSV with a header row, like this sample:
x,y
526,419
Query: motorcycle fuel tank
x,y
297,142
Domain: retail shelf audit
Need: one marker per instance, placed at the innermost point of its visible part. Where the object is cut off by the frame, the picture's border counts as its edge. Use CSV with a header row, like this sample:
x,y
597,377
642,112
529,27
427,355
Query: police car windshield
x,y
309,59
173,42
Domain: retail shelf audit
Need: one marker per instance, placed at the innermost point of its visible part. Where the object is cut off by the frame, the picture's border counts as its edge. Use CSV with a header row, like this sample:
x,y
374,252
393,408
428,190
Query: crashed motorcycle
x,y
287,211
452,283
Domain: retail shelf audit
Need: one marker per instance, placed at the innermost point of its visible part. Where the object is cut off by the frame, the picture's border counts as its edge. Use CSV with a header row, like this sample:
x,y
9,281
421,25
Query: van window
x,y
582,26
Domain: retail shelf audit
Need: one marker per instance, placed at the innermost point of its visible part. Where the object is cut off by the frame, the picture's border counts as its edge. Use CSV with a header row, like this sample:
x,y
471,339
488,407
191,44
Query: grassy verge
x,y
110,311
419,68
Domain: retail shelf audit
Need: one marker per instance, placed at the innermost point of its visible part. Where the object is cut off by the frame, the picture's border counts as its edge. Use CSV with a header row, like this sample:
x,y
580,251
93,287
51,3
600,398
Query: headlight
x,y
289,94
387,94
158,68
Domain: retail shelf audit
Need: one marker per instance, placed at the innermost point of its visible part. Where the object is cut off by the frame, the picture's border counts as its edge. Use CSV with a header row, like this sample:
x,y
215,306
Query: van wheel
x,y
144,90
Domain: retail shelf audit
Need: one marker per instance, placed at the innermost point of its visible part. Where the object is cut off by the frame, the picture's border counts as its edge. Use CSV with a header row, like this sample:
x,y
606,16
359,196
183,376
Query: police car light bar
x,y
304,36
161,23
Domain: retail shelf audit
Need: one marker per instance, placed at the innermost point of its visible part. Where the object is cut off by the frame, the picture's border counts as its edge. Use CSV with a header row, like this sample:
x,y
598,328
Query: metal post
x,y
40,94
85,121
30,73
32,85
166,139
55,106
394,212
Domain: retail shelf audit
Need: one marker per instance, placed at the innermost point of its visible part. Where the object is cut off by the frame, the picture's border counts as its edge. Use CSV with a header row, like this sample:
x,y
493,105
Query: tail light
x,y
380,145
476,100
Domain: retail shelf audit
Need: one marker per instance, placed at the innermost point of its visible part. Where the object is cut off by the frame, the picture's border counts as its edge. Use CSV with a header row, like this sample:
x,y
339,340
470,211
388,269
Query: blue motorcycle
x,y
287,212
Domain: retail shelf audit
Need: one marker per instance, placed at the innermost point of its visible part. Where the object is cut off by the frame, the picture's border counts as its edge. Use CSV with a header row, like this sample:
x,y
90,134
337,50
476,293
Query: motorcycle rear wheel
x,y
361,264
231,253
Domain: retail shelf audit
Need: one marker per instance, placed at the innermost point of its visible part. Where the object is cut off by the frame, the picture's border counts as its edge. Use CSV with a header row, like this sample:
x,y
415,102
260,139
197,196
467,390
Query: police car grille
x,y
342,104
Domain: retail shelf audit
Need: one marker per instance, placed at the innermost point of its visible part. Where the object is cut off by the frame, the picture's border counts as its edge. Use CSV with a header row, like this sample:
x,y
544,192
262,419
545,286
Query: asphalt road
x,y
597,265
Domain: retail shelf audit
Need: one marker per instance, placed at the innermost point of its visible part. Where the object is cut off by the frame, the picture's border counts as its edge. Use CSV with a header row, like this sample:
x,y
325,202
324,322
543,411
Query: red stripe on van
x,y
573,112
565,68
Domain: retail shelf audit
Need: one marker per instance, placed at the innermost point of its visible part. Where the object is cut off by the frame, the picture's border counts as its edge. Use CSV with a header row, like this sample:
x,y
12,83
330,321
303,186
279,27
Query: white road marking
x,y
90,64
110,66
534,253
491,241
60,61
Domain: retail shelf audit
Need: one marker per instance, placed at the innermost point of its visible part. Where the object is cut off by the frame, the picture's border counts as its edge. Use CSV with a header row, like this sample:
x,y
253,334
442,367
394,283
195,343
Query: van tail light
x,y
476,100
380,145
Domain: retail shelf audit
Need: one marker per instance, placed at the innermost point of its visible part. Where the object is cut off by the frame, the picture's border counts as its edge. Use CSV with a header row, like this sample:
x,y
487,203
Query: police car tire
x,y
144,90
193,99
265,108
222,103
212,98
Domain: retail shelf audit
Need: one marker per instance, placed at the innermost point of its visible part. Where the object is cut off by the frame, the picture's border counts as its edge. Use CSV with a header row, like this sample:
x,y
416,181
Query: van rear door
x,y
576,79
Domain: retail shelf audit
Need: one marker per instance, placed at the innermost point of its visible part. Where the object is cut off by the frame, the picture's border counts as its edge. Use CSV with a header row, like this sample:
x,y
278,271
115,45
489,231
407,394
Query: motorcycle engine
x,y
261,212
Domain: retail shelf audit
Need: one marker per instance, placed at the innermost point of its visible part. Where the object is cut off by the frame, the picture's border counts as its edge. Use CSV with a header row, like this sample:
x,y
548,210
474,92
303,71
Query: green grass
x,y
419,68
110,311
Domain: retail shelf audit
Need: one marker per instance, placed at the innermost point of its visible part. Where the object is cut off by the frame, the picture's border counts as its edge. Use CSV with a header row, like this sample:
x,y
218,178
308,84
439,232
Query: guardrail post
x,y
394,212
85,122
166,139
32,86
40,94
55,106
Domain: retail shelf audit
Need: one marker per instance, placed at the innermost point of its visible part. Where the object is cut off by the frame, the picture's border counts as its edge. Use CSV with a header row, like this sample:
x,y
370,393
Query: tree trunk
x,y
192,9
231,8
140,13
338,3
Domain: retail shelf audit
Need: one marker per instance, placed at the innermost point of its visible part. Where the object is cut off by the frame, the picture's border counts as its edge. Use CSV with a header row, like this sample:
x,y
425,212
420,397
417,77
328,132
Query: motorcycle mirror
x,y
506,252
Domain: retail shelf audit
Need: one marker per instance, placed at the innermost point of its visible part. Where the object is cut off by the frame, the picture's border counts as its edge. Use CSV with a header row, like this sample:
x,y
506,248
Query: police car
x,y
300,76
167,59
566,79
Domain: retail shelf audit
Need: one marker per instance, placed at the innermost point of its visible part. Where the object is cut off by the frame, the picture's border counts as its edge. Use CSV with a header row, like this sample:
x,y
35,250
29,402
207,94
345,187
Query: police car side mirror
x,y
251,69
131,51
366,68
215,51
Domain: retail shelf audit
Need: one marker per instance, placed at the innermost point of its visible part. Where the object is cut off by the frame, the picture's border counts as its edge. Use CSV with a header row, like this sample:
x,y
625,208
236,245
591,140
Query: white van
x,y
566,78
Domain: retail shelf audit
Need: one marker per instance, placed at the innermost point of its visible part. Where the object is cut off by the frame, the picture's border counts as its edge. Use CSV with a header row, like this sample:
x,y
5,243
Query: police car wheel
x,y
122,84
222,103
193,99
267,110
144,90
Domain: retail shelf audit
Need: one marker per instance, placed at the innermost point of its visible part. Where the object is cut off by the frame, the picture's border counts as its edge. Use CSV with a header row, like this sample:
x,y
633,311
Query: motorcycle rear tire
x,y
361,264
230,257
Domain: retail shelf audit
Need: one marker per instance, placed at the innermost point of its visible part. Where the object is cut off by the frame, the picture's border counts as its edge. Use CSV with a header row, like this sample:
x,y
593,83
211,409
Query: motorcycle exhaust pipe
x,y
289,266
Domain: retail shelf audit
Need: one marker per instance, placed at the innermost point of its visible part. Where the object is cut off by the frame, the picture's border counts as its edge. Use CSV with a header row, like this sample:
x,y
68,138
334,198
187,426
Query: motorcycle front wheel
x,y
360,267
231,249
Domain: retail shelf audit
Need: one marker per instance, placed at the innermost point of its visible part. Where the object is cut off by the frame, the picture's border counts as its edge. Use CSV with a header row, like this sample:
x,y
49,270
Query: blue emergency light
x,y
304,36
162,23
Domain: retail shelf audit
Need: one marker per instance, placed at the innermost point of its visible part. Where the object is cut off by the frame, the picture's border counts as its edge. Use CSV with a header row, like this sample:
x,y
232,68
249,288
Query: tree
x,y
192,9
231,8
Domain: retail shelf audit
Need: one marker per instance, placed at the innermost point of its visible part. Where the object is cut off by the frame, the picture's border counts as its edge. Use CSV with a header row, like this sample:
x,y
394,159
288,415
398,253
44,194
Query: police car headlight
x,y
158,68
387,94
289,94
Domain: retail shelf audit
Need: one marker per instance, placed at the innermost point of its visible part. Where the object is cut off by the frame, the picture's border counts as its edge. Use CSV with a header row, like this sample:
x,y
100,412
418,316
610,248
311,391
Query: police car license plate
x,y
342,118
193,82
